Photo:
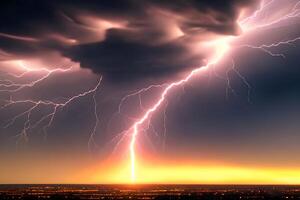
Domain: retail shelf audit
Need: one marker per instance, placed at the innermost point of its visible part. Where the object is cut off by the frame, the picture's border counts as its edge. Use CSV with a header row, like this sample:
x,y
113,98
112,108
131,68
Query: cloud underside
x,y
123,40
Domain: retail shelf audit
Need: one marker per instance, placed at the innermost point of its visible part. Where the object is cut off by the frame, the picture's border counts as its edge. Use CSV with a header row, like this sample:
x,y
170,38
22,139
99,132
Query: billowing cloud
x,y
124,40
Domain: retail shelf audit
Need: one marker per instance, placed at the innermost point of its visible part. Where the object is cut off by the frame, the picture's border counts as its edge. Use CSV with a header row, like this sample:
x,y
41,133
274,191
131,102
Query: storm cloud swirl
x,y
123,40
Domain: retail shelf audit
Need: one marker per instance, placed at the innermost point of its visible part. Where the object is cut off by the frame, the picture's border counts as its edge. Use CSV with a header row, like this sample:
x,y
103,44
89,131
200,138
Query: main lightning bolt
x,y
222,47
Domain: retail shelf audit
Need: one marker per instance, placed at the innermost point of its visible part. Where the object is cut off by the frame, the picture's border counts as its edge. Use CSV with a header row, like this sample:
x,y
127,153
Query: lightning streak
x,y
222,47
265,47
19,86
170,87
12,87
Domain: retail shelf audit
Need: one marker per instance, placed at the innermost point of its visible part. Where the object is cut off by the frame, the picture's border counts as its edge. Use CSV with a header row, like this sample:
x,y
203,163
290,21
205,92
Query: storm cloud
x,y
123,40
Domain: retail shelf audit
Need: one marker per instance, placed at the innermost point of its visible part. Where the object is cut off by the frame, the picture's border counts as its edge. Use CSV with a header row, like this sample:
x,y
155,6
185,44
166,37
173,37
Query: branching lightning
x,y
12,87
222,47
168,88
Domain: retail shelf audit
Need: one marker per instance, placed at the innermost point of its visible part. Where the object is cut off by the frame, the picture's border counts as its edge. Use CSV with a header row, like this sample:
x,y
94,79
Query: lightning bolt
x,y
135,128
222,48
12,87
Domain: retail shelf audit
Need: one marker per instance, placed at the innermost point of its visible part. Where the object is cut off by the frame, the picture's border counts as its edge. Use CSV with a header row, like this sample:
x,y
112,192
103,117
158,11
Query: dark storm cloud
x,y
121,59
121,39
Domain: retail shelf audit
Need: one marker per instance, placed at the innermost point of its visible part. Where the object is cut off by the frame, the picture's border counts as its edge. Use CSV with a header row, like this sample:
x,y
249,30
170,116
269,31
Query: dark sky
x,y
135,43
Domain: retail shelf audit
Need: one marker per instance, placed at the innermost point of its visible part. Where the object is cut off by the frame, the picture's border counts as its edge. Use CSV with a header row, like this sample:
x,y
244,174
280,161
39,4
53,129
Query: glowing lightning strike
x,y
265,47
222,47
59,103
18,86
135,128
55,106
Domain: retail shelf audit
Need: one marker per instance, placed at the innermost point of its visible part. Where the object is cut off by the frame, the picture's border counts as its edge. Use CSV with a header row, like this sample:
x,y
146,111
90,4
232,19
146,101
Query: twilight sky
x,y
67,68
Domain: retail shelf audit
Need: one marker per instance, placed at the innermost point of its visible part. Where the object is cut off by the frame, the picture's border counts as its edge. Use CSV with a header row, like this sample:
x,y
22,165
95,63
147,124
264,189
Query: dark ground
x,y
148,192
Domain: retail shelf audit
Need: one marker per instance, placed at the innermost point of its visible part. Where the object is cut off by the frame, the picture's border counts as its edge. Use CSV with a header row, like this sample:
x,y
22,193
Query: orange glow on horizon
x,y
35,169
191,173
